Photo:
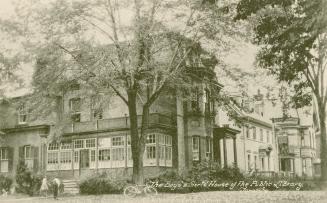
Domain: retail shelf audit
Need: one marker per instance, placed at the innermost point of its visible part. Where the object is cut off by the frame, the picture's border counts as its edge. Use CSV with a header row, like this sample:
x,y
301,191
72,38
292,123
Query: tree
x,y
137,57
292,37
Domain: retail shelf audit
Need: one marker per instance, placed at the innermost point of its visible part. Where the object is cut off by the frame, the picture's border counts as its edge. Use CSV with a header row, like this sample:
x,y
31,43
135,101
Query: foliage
x,y
101,183
5,183
292,38
27,182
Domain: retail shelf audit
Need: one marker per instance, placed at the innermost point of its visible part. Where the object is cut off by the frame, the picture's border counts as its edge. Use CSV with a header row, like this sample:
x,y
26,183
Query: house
x,y
249,140
94,136
296,146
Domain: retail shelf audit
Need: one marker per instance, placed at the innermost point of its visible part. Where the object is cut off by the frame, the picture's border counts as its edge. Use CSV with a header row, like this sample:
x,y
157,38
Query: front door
x,y
84,161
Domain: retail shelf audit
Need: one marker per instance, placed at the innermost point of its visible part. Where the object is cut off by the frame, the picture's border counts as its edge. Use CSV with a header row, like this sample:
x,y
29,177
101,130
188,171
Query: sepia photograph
x,y
163,101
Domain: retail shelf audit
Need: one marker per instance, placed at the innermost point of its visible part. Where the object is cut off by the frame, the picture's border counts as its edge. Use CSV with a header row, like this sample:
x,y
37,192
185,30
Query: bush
x,y
27,182
208,176
101,184
5,183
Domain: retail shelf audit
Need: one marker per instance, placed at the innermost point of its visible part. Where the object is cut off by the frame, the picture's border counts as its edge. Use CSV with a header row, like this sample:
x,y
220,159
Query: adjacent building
x,y
296,147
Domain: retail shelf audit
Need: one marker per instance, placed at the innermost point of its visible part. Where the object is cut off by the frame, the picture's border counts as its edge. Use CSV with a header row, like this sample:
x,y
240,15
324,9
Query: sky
x,y
243,57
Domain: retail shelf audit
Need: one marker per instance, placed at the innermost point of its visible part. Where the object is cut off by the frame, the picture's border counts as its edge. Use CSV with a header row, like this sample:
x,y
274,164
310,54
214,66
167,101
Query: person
x,y
56,184
44,187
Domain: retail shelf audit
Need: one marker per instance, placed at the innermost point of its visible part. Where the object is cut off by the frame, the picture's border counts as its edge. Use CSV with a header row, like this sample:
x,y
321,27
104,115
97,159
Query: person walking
x,y
44,187
56,184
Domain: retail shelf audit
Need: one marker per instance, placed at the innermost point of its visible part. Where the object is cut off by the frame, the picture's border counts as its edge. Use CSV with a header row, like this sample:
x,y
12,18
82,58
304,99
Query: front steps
x,y
71,186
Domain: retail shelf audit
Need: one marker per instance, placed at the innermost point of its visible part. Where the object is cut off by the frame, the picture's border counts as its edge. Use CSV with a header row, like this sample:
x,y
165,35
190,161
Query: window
x,y
65,157
66,145
118,154
151,139
128,140
52,157
104,155
22,114
247,130
117,141
196,148
249,162
262,164
208,147
254,133
150,152
75,108
3,153
53,146
96,107
162,152
90,143
76,158
4,162
268,137
255,162
92,155
195,99
261,135
78,144
168,153
28,152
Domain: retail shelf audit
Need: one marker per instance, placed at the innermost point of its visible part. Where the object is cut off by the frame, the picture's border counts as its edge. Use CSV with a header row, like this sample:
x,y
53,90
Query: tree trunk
x,y
323,143
137,156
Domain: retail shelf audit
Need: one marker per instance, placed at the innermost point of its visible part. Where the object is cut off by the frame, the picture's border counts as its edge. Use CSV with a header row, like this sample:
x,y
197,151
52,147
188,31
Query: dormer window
x,y
22,115
75,109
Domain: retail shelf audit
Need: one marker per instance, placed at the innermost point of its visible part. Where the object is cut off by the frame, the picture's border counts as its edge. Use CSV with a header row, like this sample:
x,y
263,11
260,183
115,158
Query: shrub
x,y
5,183
27,182
101,184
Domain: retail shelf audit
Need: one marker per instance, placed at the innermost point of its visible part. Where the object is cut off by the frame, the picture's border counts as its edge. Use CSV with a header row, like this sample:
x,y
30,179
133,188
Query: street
x,y
223,197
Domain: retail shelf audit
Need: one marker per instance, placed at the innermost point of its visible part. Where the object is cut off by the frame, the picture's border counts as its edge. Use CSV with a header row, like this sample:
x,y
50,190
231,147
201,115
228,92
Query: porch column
x,y
225,151
235,150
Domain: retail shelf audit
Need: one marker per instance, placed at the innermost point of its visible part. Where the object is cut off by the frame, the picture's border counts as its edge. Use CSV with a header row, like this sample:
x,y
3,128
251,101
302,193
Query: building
x,y
250,142
95,137
296,146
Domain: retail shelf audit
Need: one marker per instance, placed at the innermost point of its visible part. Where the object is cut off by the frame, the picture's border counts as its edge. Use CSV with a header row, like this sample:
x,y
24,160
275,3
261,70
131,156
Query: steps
x,y
71,186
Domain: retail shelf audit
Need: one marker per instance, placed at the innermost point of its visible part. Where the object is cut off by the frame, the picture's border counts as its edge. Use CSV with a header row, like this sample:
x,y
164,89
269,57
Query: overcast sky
x,y
243,57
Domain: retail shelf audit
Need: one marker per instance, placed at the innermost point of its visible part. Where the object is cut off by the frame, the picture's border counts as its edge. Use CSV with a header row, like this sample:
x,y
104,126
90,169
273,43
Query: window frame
x,y
30,152
196,148
22,113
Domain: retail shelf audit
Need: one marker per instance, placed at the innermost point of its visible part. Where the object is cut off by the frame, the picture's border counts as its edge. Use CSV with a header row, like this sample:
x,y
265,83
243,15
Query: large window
x,y
53,146
254,133
247,130
195,103
28,152
104,155
22,114
261,135
96,107
78,144
65,157
151,152
75,109
151,146
3,153
118,141
118,154
52,157
196,148
90,143
4,160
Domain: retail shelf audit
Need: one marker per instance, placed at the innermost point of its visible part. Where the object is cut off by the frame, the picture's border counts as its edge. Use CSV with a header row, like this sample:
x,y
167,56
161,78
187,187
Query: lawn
x,y
226,197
